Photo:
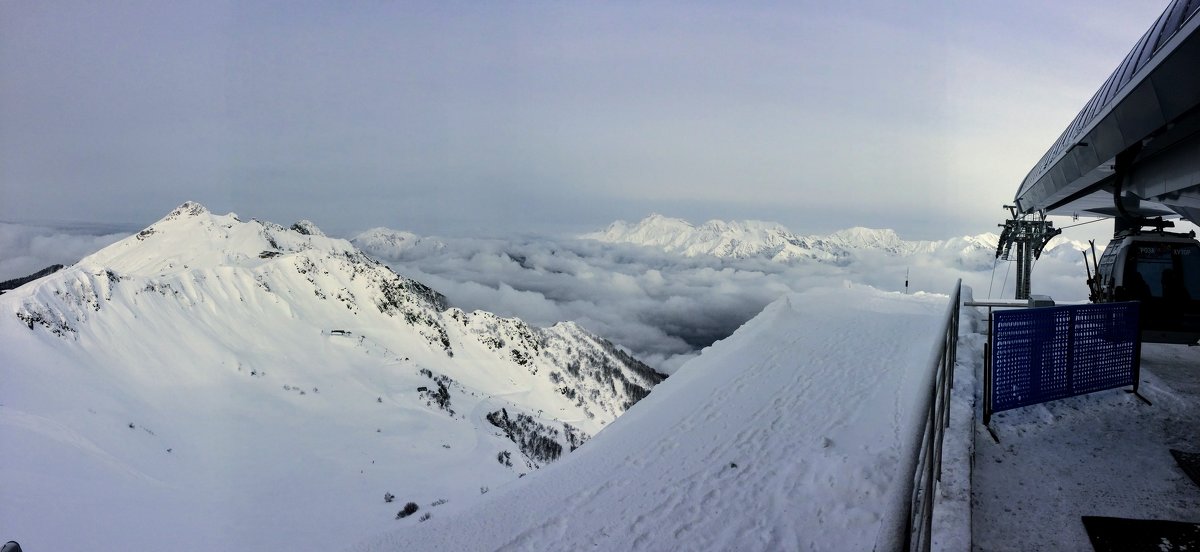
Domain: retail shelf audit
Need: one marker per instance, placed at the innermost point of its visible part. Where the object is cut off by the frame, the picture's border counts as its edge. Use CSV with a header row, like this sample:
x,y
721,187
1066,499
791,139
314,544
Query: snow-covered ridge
x,y
206,354
751,238
737,239
191,250
395,244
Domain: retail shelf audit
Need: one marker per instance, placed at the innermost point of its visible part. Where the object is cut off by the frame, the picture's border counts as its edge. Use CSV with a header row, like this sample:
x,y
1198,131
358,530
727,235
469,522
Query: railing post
x,y
987,372
954,329
1135,309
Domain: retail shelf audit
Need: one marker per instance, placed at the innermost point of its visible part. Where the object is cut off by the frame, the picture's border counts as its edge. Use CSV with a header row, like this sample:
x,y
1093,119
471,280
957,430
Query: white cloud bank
x,y
27,249
665,304
662,305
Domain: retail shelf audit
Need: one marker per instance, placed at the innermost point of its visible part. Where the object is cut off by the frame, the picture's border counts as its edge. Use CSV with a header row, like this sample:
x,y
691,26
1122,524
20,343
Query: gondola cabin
x,y
1162,271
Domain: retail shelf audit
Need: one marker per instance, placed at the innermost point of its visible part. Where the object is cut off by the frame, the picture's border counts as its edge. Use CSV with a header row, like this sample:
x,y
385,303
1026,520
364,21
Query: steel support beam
x,y
1028,237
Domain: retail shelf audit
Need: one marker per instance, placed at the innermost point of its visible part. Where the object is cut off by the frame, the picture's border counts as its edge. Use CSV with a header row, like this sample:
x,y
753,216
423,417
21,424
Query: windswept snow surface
x,y
788,435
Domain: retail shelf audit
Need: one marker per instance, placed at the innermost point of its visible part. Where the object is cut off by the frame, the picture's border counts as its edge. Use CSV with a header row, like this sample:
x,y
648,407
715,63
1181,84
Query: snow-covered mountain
x,y
739,239
749,239
396,244
243,385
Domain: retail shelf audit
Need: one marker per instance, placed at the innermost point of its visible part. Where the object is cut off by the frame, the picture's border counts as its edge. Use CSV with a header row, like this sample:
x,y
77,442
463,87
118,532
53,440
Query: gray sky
x,y
481,118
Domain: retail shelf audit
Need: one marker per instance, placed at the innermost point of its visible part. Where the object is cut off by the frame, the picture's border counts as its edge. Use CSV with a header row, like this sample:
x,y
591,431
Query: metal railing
x,y
926,464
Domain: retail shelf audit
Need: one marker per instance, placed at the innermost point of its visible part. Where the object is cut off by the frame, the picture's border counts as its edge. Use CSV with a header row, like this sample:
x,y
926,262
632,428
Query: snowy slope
x,y
213,383
746,239
785,436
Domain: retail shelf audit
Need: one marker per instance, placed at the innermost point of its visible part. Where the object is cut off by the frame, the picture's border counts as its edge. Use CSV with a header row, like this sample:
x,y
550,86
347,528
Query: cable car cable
x,y
993,280
1089,222
1005,283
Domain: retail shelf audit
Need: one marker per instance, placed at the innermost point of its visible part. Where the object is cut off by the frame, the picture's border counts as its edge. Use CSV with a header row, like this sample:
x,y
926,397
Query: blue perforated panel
x,y
1044,354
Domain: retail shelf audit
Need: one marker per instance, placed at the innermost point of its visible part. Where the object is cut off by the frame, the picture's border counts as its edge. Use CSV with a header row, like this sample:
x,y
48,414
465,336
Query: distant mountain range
x,y
395,244
18,282
663,285
769,240
279,376
747,239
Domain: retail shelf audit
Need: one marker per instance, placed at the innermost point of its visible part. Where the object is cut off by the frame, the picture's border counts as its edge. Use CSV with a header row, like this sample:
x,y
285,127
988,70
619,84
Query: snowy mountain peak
x,y
773,241
307,228
661,219
859,236
203,355
395,244
196,257
191,236
653,227
188,209
729,239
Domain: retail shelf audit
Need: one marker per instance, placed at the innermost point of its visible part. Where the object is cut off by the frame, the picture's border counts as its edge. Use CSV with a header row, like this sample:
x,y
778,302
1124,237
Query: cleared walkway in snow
x,y
785,436
1104,454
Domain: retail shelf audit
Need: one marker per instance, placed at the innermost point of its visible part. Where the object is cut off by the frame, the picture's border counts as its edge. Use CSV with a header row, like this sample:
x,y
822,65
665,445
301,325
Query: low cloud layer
x,y
665,307
27,249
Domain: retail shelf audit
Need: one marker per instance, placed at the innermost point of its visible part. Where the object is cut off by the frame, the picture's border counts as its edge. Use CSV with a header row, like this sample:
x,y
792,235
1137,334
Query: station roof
x,y
1147,112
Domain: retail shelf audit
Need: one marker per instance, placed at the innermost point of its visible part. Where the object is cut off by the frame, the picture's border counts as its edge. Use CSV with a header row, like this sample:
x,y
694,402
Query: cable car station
x,y
1133,154
1116,471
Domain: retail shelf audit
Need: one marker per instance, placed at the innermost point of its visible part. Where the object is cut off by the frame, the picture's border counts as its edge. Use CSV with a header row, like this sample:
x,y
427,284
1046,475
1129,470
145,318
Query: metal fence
x,y
1043,354
923,469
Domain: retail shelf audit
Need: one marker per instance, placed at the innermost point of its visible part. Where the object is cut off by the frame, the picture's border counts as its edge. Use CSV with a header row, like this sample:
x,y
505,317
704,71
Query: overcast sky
x,y
482,118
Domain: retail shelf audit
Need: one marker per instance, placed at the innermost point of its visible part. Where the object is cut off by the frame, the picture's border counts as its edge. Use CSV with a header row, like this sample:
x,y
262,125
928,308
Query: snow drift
x,y
785,436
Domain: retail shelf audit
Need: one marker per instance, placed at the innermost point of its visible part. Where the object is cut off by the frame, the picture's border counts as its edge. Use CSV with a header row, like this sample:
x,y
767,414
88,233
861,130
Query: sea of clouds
x,y
665,307
662,307
25,249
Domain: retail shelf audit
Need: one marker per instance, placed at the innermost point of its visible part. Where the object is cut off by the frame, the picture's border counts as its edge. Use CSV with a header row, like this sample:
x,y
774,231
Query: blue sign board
x,y
1044,354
